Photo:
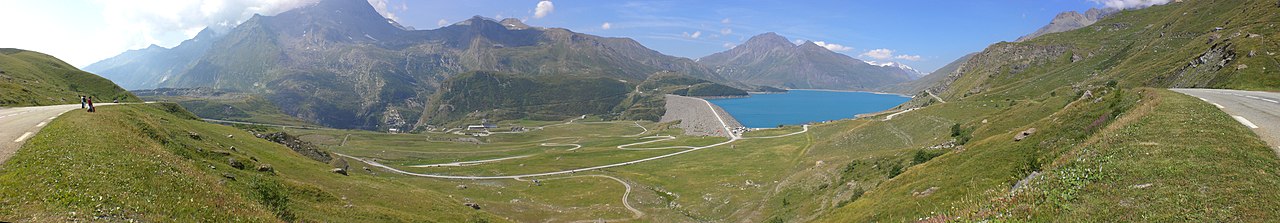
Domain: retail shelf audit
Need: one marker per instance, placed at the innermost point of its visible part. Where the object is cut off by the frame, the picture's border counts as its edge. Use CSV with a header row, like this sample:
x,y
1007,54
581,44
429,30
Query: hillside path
x,y
1256,110
19,124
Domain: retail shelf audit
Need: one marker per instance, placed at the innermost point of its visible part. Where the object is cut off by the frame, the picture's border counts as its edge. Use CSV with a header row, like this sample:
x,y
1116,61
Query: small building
x,y
485,126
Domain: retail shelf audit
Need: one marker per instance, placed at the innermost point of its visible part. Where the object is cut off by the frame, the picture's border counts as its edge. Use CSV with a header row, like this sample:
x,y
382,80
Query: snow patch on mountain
x,y
912,72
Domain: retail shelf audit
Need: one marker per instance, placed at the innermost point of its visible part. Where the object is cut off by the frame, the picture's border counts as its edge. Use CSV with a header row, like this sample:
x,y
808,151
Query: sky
x,y
925,34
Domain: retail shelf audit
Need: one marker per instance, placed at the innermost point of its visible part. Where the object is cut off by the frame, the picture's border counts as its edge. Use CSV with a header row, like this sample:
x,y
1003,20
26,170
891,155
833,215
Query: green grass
x,y
1200,164
1095,153
31,78
137,162
240,107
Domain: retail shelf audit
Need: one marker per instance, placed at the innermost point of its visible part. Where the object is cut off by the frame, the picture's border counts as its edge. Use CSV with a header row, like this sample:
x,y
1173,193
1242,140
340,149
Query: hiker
x,y
90,101
82,102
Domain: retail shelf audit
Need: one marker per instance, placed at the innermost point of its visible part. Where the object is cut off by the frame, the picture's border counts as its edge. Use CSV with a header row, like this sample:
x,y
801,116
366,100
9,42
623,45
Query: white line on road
x,y
1269,100
1202,99
42,124
1244,121
23,137
1216,104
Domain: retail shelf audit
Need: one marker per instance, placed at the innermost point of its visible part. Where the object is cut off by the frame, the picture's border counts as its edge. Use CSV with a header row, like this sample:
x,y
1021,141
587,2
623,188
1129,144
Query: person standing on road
x,y
90,101
82,102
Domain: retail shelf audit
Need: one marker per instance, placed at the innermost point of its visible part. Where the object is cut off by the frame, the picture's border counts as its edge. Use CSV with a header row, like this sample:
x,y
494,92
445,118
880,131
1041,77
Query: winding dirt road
x,y
733,138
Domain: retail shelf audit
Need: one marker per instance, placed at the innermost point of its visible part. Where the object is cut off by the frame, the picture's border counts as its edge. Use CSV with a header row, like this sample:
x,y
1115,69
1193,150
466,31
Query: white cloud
x,y
833,46
729,45
606,26
908,57
544,8
382,7
879,54
798,41
694,35
442,23
725,21
1128,4
726,31
885,54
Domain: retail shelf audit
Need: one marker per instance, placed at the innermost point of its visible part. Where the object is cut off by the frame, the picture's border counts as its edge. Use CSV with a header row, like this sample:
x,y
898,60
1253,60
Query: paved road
x,y
1259,111
18,124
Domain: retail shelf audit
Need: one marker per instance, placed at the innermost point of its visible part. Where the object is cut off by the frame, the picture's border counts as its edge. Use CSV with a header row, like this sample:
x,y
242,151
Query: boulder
x,y
462,187
194,135
339,171
235,163
1024,134
229,176
925,193
473,205
266,168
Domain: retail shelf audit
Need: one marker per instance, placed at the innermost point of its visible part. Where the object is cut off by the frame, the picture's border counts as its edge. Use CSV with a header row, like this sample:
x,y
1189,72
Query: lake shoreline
x,y
800,106
851,91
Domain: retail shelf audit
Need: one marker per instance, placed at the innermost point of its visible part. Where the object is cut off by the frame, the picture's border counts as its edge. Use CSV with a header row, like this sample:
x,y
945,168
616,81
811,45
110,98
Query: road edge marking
x,y
24,136
42,124
1218,105
1244,121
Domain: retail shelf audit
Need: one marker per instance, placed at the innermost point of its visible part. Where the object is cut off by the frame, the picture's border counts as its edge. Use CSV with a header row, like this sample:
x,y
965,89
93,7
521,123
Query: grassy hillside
x,y
919,85
479,95
223,105
1106,148
155,162
648,101
31,78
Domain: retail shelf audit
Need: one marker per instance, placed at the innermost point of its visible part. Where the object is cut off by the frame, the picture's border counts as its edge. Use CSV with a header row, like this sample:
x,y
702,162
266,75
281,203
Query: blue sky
x,y
925,34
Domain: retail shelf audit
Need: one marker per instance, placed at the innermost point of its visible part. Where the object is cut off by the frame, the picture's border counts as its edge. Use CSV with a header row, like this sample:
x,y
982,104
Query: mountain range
x,y
770,59
341,64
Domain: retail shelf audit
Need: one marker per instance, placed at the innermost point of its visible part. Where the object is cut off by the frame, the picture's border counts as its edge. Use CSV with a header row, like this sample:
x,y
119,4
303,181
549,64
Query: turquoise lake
x,y
804,106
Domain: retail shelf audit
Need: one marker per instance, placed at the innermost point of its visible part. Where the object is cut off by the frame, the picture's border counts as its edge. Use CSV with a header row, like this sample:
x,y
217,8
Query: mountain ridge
x,y
340,64
770,59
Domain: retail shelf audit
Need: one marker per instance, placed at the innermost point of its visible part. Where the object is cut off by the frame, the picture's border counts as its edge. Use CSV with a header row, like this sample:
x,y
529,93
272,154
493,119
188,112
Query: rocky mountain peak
x,y
513,23
810,46
768,39
475,20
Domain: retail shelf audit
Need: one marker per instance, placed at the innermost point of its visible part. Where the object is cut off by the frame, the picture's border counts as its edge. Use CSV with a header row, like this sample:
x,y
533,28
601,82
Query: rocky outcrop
x,y
1201,70
1024,134
999,60
1068,21
297,145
